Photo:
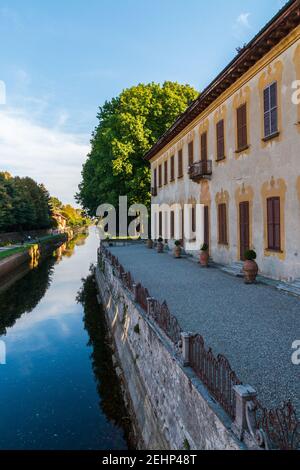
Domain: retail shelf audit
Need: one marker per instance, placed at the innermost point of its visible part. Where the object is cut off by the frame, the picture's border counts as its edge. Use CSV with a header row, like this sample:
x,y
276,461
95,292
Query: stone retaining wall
x,y
170,406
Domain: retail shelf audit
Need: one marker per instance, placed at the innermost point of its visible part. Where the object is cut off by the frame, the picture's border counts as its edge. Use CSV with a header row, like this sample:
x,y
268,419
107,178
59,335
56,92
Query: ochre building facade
x,y
236,150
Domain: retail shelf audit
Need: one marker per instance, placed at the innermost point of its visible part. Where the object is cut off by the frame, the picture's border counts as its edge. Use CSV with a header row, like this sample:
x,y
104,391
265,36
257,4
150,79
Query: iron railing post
x,y
186,337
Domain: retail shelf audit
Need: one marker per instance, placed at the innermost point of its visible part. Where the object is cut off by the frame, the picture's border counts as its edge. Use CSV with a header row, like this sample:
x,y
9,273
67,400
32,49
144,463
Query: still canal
x,y
58,389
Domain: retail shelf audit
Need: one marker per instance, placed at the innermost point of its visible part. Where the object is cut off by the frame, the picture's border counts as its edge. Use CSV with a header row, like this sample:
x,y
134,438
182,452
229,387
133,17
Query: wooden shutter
x,y
172,168
172,224
271,109
159,176
204,147
194,219
222,224
244,228
160,225
155,178
191,153
242,127
206,225
273,222
166,172
180,164
220,140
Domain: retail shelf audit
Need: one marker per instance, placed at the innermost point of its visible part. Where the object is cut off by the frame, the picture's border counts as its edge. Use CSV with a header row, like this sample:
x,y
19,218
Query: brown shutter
x,y
155,178
194,219
191,153
160,225
180,164
206,225
172,168
204,147
172,224
220,140
166,172
159,176
273,223
222,216
242,127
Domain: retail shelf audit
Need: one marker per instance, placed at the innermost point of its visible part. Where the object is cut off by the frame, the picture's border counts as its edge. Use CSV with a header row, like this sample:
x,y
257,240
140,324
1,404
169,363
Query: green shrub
x,y
204,247
250,255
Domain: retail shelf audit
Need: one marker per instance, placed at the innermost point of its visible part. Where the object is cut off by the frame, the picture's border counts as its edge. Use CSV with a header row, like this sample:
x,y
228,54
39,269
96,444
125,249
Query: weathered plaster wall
x,y
171,406
255,169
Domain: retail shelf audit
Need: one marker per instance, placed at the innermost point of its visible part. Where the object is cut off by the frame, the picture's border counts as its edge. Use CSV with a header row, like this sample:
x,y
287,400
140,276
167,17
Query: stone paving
x,y
254,326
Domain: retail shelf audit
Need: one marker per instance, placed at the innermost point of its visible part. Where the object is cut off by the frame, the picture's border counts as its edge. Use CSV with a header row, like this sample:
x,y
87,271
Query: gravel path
x,y
254,326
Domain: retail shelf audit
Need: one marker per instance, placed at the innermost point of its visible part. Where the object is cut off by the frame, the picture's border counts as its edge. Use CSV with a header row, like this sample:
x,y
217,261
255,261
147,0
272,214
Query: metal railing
x,y
200,169
215,372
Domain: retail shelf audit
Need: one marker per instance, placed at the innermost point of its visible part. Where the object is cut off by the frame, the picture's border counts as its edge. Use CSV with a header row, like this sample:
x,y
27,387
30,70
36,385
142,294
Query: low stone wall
x,y
17,237
170,406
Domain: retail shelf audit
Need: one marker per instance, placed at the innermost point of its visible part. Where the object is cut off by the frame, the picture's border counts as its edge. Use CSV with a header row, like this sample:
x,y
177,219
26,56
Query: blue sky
x,y
60,60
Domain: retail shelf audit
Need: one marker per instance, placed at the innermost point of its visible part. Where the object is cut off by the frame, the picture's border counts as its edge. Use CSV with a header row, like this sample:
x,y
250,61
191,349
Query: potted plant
x,y
149,244
250,267
177,249
204,255
160,245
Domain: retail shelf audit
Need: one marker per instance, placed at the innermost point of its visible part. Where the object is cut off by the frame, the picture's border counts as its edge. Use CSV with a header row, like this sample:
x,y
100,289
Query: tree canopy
x,y
128,126
75,217
24,204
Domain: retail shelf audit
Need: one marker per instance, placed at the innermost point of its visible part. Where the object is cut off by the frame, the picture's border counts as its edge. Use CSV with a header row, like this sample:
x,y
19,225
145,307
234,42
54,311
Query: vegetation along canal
x,y
58,388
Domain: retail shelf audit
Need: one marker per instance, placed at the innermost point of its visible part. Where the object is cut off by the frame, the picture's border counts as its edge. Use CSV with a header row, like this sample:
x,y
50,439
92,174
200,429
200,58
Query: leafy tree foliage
x,y
128,126
24,204
75,217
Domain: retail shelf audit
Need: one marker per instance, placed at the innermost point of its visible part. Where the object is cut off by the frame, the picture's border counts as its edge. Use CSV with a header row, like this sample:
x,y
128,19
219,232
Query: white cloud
x,y
48,155
243,20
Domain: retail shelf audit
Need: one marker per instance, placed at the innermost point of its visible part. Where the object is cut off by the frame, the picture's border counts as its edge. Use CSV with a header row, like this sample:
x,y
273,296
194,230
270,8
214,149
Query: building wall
x,y
265,169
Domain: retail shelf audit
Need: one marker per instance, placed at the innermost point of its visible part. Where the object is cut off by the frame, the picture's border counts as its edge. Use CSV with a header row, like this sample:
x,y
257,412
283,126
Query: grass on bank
x,y
21,249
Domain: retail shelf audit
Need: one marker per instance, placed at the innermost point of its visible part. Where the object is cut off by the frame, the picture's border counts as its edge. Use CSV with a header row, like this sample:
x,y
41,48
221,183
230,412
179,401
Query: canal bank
x,y
58,360
12,259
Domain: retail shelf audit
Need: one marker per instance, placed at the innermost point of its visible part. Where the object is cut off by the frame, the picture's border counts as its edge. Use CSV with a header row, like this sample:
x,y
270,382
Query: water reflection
x,y
49,390
111,400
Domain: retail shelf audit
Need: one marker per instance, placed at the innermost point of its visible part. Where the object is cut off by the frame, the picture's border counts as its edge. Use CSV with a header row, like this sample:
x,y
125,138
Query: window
x,y
194,219
273,216
172,225
180,164
222,222
270,110
166,171
172,168
159,176
191,153
241,115
204,147
220,140
155,178
206,225
160,224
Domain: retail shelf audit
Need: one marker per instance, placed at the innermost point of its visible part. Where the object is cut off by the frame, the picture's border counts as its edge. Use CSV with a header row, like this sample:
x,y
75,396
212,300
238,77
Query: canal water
x,y
58,389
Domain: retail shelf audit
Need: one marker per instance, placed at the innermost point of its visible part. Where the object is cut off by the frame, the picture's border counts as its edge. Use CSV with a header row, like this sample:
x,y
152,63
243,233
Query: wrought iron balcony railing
x,y
199,170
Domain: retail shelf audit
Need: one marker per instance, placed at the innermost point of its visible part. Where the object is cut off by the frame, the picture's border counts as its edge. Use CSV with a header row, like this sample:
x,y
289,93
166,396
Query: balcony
x,y
200,170
154,192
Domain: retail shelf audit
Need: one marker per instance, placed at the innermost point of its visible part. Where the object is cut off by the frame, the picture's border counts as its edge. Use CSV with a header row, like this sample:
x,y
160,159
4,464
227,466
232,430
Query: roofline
x,y
287,19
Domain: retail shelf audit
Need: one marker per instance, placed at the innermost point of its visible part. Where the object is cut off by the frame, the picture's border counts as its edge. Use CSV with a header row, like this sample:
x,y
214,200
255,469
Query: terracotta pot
x,y
177,251
204,256
150,244
250,271
160,247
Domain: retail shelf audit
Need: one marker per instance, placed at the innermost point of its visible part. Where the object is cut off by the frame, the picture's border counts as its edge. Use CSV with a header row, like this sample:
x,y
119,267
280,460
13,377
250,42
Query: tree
x,y
128,126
